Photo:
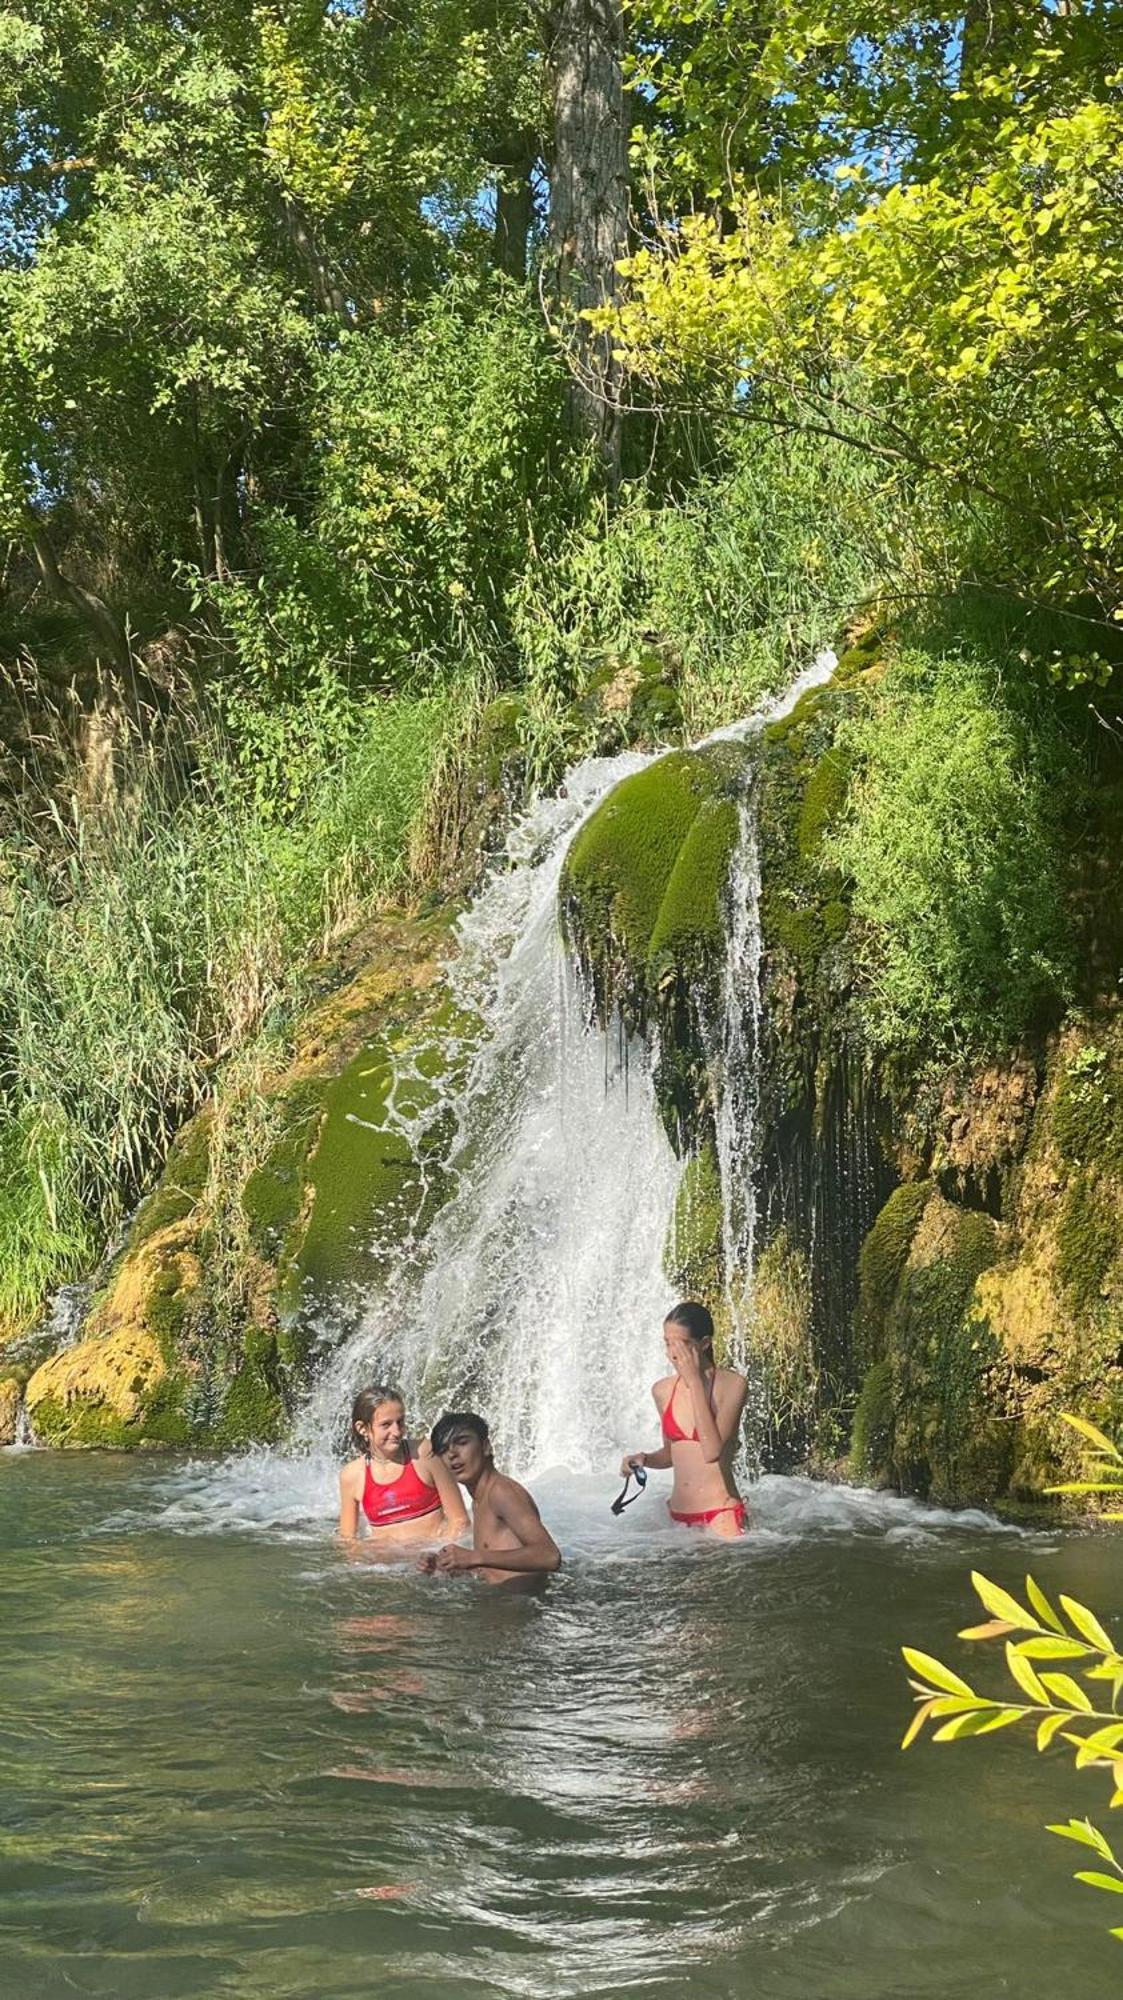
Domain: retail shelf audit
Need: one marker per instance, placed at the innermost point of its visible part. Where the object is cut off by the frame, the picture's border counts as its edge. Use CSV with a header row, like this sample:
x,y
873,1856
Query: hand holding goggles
x,y
639,1474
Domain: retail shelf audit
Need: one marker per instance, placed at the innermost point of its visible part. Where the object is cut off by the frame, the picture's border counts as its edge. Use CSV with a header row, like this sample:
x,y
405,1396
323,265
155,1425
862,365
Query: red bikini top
x,y
405,1498
672,1429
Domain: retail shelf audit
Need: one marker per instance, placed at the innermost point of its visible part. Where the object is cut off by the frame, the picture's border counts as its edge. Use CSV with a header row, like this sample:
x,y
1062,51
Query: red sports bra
x,y
672,1429
406,1498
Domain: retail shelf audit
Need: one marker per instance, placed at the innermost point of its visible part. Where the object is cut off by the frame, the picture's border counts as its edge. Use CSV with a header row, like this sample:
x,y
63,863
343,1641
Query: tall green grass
x,y
148,936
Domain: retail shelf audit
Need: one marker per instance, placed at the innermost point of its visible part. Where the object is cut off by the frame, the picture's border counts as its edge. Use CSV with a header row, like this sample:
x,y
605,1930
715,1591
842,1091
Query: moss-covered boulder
x,y
945,1438
104,1391
11,1396
642,891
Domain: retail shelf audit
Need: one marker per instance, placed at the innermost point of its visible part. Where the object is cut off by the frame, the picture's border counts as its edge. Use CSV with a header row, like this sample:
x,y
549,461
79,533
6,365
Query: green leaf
x,y
1068,1691
930,1670
1052,1649
1090,1432
999,1603
1099,1744
1086,1623
1112,1882
980,1723
1042,1606
1048,1727
1027,1680
1088,1835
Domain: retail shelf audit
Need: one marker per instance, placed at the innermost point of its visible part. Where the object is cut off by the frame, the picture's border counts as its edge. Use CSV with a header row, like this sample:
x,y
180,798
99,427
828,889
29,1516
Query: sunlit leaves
x,y
1054,1704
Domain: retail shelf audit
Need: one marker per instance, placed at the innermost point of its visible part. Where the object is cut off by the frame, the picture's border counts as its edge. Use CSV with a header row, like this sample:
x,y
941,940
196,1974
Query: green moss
x,y
274,1195
836,920
693,1256
881,1263
618,868
92,1426
689,930
871,1441
946,1441
1088,1238
167,1309
823,799
253,1410
180,1184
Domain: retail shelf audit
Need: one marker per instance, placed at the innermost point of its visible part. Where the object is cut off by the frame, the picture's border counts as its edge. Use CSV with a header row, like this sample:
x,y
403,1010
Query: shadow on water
x,y
237,1763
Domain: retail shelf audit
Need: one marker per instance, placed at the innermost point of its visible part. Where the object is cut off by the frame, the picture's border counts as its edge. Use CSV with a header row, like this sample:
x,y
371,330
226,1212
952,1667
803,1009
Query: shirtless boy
x,y
510,1544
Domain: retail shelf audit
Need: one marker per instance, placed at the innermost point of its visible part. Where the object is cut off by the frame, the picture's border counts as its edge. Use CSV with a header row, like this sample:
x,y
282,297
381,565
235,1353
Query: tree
x,y
589,201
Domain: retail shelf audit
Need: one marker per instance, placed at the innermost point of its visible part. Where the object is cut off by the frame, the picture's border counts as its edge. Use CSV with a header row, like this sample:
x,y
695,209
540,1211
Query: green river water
x,y
236,1763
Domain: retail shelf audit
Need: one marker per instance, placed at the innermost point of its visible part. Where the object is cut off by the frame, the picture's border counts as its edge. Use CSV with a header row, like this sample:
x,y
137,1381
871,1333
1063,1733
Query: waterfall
x,y
538,1295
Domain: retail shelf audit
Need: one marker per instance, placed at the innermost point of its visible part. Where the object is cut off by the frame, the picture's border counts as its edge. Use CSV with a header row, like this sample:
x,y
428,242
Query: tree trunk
x,y
514,214
107,629
589,201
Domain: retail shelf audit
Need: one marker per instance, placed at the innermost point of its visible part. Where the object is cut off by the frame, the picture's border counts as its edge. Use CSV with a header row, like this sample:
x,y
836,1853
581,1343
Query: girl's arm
x,y
455,1512
348,1502
658,1460
715,1426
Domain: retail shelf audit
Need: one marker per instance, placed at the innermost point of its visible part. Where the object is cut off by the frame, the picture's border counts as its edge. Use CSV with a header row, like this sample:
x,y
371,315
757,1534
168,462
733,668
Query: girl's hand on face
x,y
685,1358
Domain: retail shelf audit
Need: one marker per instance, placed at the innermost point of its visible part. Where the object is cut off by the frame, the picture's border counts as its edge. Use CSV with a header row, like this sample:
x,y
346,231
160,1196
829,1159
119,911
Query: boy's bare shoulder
x,y
505,1488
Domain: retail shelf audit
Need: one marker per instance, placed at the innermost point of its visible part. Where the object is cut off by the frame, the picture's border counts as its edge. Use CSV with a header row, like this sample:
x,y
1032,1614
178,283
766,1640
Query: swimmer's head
x,y
462,1439
696,1322
378,1420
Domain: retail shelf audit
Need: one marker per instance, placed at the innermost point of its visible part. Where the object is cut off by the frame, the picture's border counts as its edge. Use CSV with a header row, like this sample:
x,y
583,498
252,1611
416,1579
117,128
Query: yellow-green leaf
x,y
1089,1431
930,1670
998,1602
1088,1835
1086,1623
995,1628
1112,1882
1042,1606
923,1711
1068,1691
1048,1727
1027,1680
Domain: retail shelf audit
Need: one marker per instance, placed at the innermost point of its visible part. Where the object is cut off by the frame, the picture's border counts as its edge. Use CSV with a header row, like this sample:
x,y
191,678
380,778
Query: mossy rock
x,y
881,1265
693,1259
181,1182
643,885
781,1348
112,1390
871,1440
949,1439
11,1397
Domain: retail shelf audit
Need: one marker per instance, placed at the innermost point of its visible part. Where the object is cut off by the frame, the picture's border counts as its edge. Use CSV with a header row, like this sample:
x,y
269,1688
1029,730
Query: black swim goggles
x,y
639,1474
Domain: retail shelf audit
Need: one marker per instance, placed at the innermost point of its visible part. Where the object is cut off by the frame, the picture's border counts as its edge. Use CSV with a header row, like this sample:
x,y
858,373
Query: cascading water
x,y
540,1292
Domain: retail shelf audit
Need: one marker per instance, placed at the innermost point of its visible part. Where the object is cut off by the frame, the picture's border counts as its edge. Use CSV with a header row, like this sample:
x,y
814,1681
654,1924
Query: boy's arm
x,y
537,1548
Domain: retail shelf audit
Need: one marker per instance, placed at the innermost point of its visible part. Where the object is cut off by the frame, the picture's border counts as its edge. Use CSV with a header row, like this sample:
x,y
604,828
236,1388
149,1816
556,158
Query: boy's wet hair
x,y
694,1319
452,1424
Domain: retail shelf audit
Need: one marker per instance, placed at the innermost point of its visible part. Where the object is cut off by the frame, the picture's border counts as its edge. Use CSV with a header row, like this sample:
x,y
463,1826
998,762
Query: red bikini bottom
x,y
734,1507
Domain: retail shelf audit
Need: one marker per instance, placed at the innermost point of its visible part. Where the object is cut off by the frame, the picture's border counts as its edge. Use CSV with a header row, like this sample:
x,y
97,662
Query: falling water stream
x,y
238,1762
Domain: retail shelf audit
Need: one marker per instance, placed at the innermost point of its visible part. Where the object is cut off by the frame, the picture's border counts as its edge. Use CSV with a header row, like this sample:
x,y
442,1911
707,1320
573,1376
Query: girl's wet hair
x,y
694,1319
364,1406
452,1423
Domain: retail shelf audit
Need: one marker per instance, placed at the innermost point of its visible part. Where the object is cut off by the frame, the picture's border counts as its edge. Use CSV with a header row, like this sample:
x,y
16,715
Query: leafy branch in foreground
x,y
1106,1465
1056,1702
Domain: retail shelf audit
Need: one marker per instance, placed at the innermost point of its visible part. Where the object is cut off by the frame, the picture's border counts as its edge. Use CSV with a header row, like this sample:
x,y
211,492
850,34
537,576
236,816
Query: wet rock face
x,y
200,1336
10,1399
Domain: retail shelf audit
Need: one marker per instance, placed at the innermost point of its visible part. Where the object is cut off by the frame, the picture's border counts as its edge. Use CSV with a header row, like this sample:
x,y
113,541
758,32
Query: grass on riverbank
x,y
145,938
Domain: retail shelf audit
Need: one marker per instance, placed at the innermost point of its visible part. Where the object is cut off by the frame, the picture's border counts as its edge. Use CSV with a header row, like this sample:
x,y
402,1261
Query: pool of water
x,y
235,1762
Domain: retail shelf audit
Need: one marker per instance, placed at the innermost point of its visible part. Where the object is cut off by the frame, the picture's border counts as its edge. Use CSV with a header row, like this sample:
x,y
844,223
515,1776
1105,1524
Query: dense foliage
x,y
288,441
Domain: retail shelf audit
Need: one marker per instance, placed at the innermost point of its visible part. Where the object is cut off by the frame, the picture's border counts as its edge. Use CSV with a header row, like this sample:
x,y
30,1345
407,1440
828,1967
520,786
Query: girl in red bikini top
x,y
710,1400
399,1495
